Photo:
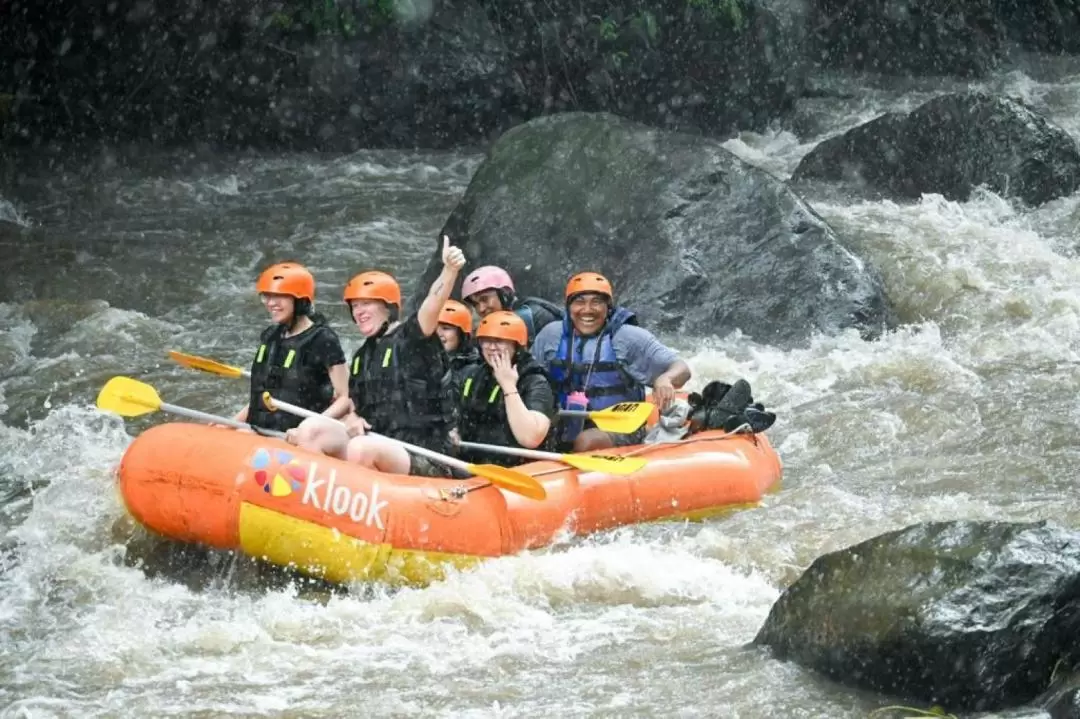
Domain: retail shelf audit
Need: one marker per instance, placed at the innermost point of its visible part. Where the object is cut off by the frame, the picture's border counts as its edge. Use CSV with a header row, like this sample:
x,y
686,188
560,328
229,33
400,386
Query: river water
x,y
111,259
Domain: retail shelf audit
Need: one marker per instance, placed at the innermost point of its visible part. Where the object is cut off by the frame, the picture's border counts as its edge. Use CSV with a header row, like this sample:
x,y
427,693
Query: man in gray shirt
x,y
599,350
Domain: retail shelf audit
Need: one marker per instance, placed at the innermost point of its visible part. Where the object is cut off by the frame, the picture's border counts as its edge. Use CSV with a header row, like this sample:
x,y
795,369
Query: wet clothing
x,y
537,314
396,384
482,408
295,370
613,366
592,365
459,362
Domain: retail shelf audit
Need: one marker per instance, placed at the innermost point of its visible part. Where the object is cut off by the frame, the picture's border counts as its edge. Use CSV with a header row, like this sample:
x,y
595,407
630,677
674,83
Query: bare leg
x,y
592,439
378,453
320,435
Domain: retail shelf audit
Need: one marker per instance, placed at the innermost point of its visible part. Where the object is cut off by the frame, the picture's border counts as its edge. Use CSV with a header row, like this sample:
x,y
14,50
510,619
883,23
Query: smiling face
x,y
450,337
485,302
369,315
491,348
588,313
280,307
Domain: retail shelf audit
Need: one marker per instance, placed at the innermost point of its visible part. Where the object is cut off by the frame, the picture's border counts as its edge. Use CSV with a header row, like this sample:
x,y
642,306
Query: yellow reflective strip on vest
x,y
356,365
493,395
262,353
386,357
468,386
289,358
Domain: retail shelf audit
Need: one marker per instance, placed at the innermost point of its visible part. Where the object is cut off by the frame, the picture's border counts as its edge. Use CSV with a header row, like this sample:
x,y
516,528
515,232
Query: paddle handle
x,y
574,413
273,404
512,451
213,418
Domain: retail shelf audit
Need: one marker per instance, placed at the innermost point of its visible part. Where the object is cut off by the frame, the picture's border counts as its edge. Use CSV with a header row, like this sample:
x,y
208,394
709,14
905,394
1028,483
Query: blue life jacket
x,y
603,379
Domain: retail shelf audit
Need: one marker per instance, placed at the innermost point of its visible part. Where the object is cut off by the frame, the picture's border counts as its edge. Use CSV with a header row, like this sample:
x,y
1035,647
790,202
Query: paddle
x,y
508,479
131,398
622,418
204,364
607,463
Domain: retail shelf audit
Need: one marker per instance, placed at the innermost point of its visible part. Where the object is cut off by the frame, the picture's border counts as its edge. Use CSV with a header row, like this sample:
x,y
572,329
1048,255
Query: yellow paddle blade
x,y
128,397
606,463
510,480
204,364
623,418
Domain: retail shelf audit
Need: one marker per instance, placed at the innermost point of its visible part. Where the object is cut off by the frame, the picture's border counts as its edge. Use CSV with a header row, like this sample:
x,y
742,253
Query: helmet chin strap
x,y
301,308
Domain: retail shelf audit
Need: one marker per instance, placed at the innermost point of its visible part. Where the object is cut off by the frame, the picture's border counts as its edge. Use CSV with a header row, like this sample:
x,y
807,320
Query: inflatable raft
x,y
336,520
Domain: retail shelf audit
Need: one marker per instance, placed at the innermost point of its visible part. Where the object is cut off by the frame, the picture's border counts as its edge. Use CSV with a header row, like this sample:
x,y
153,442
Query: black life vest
x,y
459,363
401,393
281,368
537,313
482,409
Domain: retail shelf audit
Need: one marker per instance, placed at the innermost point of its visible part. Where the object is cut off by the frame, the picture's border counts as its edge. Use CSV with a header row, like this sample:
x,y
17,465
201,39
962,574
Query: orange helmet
x,y
287,278
588,282
374,286
456,314
504,325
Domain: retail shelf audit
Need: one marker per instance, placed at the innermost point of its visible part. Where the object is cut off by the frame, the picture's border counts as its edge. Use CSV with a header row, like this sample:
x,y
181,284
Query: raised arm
x,y
428,315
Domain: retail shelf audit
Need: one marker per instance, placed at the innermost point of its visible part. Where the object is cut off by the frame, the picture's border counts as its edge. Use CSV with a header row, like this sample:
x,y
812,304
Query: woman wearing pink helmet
x,y
491,289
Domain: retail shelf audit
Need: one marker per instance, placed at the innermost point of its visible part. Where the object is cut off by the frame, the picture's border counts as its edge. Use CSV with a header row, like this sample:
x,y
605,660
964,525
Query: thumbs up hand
x,y
453,258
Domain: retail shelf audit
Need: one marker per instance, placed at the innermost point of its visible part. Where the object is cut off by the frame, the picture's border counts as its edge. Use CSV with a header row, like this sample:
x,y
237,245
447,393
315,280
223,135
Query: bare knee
x,y
592,439
319,435
378,453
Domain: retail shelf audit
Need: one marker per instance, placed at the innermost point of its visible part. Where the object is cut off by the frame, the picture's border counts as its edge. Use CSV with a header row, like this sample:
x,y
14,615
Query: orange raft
x,y
342,522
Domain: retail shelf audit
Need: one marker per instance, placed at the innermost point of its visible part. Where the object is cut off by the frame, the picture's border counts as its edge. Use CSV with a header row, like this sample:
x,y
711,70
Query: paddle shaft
x,y
512,451
422,451
214,419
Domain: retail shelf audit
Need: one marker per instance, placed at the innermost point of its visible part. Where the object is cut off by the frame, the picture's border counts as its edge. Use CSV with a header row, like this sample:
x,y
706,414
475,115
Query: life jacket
x,y
537,313
459,363
399,394
482,409
279,368
601,376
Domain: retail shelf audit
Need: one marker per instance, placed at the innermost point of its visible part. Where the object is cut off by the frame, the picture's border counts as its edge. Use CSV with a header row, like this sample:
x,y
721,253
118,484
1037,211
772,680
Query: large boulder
x,y
972,616
693,238
951,145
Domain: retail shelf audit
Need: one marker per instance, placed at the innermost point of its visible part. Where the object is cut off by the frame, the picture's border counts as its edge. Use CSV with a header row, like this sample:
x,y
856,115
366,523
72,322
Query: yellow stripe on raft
x,y
327,553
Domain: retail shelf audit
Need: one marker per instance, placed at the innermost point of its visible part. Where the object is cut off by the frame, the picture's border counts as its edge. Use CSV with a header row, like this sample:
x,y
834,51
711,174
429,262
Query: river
x,y
112,258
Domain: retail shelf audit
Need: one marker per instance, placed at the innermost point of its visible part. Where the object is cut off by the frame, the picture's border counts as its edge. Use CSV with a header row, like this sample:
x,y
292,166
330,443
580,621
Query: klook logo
x,y
321,492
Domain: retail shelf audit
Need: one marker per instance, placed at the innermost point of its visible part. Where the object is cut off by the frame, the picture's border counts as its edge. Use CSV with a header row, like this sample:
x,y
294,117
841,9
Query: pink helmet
x,y
488,277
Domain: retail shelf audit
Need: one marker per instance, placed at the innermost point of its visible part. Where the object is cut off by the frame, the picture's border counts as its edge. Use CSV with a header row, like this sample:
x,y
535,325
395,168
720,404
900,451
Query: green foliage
x,y
333,17
734,11
616,35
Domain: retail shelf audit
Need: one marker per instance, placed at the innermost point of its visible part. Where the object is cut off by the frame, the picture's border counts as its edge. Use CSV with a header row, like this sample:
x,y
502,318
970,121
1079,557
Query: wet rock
x,y
678,64
1062,699
328,76
693,238
964,38
1042,25
339,75
951,145
971,616
924,37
